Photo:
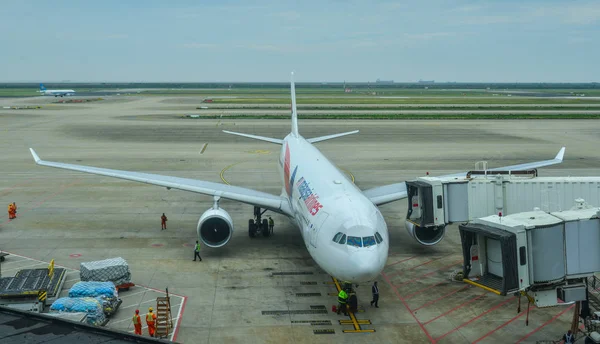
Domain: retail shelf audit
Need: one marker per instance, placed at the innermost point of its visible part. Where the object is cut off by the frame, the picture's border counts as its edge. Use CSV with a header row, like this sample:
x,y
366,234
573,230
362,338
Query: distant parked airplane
x,y
56,93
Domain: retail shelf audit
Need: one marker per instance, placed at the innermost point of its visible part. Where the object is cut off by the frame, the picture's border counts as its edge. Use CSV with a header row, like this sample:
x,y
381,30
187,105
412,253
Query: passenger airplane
x,y
343,230
56,93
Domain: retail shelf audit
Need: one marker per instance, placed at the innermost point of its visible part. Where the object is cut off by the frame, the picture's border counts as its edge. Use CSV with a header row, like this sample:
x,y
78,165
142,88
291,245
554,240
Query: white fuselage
x,y
57,93
325,202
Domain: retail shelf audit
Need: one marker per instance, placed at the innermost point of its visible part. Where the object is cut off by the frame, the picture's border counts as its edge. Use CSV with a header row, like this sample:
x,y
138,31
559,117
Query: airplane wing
x,y
236,193
393,192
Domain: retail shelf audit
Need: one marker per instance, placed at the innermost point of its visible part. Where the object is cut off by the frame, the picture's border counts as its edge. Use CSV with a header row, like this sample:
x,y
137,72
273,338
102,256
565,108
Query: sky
x,y
327,40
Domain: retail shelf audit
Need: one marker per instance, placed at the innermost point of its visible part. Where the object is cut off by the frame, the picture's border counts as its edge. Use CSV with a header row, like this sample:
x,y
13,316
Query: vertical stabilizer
x,y
294,111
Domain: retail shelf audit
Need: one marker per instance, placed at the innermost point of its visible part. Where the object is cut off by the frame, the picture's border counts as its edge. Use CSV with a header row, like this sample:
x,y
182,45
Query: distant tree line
x,y
332,85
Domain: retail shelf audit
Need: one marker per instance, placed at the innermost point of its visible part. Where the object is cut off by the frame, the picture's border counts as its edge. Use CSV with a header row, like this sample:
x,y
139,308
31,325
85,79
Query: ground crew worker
x,y
197,251
569,338
15,206
375,291
163,222
151,322
271,225
137,322
11,211
342,300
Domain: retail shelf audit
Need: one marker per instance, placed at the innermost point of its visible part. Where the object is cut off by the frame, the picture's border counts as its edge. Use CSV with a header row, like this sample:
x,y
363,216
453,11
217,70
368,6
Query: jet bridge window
x,y
368,241
378,238
354,241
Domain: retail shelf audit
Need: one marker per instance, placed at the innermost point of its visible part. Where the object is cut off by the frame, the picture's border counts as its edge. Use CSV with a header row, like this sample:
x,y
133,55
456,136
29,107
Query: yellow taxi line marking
x,y
225,169
353,321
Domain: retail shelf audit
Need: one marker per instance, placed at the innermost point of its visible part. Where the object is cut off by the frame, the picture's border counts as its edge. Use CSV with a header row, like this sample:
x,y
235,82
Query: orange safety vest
x,y
136,320
150,318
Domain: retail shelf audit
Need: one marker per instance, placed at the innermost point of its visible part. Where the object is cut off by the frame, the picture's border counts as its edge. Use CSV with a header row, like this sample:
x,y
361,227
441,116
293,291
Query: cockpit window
x,y
337,237
340,238
354,241
378,238
368,241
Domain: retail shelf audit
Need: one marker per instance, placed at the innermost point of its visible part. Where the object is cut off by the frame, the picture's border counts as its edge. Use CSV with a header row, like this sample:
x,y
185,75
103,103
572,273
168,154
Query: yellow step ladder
x,y
164,319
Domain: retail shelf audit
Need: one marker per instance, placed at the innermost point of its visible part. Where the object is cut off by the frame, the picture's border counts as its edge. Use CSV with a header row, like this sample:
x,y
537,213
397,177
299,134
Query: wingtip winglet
x,y
35,156
561,154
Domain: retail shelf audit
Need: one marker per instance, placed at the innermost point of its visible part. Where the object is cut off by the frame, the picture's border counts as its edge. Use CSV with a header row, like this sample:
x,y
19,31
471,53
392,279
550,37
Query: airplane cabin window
x,y
368,241
343,240
337,237
354,241
378,238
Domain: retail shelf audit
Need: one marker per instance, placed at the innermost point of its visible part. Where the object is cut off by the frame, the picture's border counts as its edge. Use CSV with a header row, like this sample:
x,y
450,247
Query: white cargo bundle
x,y
113,270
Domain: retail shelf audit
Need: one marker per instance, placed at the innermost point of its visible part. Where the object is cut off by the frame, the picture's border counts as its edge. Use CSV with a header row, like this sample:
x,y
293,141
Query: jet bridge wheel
x,y
251,228
265,228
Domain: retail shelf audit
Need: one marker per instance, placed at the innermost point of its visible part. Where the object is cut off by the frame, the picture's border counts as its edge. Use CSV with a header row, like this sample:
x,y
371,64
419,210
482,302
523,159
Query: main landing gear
x,y
258,225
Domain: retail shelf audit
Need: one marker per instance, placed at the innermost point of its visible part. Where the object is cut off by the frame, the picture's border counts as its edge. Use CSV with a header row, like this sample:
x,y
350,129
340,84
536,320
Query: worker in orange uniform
x,y
151,322
15,206
137,322
163,222
11,211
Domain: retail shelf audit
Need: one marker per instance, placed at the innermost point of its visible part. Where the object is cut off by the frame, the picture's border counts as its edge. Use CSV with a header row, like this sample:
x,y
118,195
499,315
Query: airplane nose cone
x,y
364,266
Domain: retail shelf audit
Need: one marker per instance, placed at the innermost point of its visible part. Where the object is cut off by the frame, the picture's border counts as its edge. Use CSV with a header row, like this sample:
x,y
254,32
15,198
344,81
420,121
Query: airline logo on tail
x,y
42,87
289,182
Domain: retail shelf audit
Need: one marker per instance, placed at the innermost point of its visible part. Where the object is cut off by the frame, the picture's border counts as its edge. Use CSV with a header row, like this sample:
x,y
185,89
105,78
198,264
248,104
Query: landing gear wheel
x,y
265,227
251,228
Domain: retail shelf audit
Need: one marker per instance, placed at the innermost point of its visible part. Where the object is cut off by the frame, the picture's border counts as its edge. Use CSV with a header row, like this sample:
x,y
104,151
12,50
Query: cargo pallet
x,y
32,288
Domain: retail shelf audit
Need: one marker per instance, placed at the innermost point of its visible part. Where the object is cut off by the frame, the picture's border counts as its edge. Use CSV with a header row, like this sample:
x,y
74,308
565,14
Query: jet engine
x,y
427,236
215,227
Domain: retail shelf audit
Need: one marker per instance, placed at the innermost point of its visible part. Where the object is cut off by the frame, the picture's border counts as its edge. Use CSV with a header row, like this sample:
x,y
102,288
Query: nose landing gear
x,y
258,225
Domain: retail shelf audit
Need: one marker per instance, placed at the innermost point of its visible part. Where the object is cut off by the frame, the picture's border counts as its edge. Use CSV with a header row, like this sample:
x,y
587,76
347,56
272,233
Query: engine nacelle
x,y
215,227
427,236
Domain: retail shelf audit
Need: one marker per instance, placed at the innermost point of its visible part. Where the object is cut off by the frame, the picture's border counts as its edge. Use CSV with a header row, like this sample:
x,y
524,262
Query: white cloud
x,y
195,45
69,36
287,15
572,13
428,35
265,47
579,40
467,8
584,13
494,19
114,36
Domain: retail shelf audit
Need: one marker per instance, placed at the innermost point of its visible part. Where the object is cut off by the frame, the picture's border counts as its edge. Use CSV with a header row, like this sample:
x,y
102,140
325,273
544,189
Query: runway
x,y
265,289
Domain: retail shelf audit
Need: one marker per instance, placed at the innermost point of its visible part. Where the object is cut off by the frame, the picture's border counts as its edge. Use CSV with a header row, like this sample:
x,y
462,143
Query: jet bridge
x,y
548,256
434,202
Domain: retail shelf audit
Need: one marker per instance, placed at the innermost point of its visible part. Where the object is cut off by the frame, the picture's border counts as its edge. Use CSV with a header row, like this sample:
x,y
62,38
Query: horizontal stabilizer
x,y
261,138
328,137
